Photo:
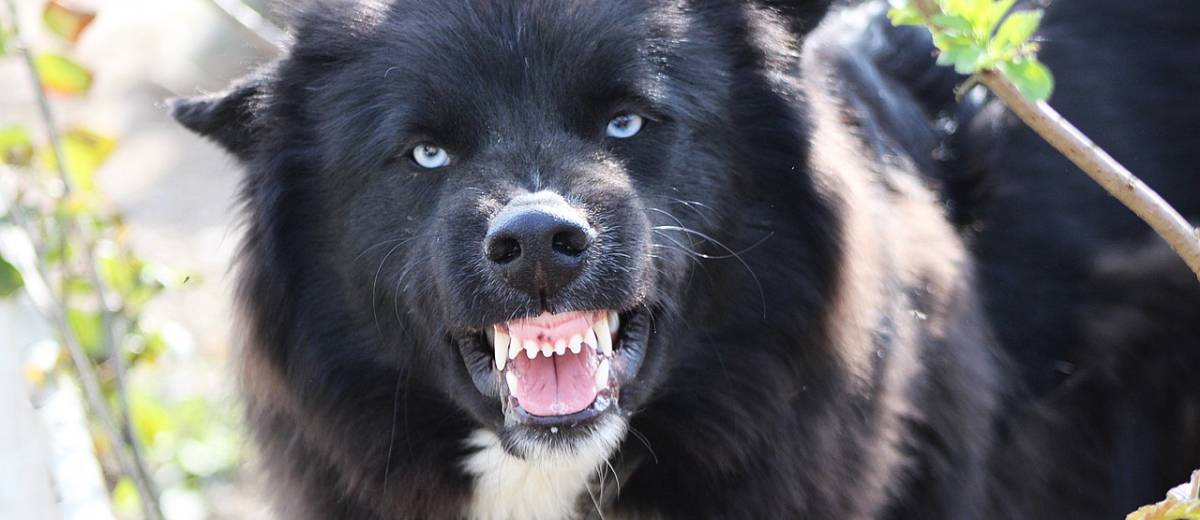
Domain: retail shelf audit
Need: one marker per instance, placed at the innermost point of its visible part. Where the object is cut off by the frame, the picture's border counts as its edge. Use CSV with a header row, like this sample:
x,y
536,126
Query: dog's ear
x,y
802,15
230,118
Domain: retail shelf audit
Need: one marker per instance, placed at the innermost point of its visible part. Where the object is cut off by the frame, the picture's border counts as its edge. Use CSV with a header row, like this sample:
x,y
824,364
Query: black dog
x,y
640,259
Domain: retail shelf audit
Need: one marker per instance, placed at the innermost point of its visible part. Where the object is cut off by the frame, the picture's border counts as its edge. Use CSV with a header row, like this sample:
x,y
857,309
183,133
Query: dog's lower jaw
x,y
547,483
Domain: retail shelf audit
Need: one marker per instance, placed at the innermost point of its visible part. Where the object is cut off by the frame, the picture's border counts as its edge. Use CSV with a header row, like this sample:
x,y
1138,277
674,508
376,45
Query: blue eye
x,y
430,156
625,126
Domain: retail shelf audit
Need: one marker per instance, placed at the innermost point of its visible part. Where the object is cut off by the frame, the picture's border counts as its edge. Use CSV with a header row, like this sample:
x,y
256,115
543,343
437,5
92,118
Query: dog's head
x,y
513,194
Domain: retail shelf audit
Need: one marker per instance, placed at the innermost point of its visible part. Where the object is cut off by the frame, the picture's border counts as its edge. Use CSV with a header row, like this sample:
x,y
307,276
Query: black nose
x,y
537,243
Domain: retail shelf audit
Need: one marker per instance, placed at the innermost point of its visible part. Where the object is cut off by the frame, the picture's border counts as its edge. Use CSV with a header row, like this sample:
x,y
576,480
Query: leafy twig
x,y
983,39
132,463
1102,168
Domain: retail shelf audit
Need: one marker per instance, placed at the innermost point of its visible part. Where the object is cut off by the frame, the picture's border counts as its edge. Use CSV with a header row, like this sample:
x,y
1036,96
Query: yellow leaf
x,y
1182,503
65,21
61,75
85,151
16,148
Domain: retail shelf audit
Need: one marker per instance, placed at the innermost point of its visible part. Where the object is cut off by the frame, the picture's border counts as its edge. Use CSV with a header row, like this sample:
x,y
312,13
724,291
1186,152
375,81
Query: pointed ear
x,y
230,118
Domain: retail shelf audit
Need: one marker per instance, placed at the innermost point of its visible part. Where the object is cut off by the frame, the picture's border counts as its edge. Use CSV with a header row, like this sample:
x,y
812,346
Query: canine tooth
x,y
589,338
614,322
514,347
500,341
531,348
602,375
547,349
560,346
511,378
575,343
603,337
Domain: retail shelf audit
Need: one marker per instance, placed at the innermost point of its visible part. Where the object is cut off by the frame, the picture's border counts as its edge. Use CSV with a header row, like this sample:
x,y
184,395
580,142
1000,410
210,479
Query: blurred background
x,y
116,232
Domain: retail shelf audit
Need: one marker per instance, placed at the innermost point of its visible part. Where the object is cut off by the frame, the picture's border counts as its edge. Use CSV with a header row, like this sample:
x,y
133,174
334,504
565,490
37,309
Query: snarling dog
x,y
607,258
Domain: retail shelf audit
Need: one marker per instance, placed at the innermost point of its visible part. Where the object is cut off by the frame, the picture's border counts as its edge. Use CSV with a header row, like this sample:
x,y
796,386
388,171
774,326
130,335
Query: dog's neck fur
x,y
547,484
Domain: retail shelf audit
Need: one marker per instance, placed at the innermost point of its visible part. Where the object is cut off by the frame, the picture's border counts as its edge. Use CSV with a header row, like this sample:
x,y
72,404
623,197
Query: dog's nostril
x,y
571,242
537,242
503,250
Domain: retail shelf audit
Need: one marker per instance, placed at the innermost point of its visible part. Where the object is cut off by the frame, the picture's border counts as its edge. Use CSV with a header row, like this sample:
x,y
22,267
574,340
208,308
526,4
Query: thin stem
x,y
133,464
253,21
1117,180
1102,168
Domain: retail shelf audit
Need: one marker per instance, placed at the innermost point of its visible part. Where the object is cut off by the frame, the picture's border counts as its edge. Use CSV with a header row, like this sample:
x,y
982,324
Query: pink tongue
x,y
556,385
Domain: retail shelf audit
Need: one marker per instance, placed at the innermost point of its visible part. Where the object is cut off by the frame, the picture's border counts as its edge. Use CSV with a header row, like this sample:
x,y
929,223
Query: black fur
x,y
820,344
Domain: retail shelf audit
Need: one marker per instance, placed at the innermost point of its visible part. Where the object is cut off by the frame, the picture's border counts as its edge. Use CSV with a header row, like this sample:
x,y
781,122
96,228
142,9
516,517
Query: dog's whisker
x,y
375,284
672,217
404,239
387,469
645,442
734,254
710,217
616,478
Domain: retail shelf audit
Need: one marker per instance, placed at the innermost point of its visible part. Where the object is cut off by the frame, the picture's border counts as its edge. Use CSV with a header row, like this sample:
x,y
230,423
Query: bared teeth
x,y
514,347
500,340
511,379
600,334
602,375
603,336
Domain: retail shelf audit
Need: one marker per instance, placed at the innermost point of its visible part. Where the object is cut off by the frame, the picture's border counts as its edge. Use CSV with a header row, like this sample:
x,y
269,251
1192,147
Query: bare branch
x,y
1102,168
253,21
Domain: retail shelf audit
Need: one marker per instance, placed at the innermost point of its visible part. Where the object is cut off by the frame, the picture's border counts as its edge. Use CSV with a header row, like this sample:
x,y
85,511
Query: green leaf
x,y
1017,29
996,13
1031,77
1182,503
965,59
66,22
10,279
61,75
969,9
948,43
906,16
952,22
16,147
89,330
125,497
3,42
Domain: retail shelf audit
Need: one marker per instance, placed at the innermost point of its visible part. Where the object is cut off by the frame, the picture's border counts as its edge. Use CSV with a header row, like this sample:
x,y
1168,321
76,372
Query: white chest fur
x,y
548,485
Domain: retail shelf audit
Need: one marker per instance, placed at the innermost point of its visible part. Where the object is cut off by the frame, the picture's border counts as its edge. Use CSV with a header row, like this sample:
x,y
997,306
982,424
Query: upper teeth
x,y
500,340
600,336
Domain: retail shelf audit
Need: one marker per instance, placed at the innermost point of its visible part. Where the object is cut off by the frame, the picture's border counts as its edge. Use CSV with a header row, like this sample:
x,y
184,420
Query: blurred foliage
x,y
1182,503
61,75
65,22
16,147
99,288
10,279
979,35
